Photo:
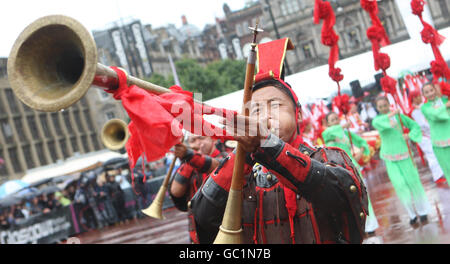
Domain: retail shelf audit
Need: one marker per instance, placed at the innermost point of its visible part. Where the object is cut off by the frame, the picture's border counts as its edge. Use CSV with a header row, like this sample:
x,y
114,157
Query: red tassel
x,y
290,198
445,88
417,7
323,10
430,36
342,102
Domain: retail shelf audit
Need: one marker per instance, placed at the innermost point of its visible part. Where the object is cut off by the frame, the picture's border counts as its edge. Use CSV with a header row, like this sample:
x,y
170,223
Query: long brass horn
x,y
155,209
53,63
115,134
230,231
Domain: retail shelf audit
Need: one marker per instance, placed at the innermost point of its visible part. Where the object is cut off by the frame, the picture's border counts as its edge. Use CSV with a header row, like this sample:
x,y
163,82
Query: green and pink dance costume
x,y
400,167
438,117
336,136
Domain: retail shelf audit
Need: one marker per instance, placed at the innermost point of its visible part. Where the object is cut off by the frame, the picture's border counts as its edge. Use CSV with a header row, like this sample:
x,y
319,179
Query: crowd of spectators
x,y
99,196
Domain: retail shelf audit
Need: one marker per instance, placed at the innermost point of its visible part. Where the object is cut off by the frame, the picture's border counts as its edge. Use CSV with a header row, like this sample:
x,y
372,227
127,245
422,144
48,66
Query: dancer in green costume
x,y
436,111
335,136
400,167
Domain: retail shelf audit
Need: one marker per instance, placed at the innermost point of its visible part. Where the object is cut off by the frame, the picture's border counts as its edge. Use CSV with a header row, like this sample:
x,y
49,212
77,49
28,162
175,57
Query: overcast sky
x,y
96,14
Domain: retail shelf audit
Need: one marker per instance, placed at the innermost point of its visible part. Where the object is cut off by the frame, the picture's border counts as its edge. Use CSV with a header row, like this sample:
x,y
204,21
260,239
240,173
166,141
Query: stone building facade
x,y
294,19
30,138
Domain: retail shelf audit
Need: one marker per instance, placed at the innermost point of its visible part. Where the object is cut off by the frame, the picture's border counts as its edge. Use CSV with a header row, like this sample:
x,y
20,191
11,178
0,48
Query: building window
x,y
3,170
444,8
74,143
85,144
33,126
102,94
11,101
307,50
353,39
2,109
19,128
44,125
352,33
63,145
67,122
292,6
40,153
14,157
238,30
28,157
6,129
76,114
84,102
110,115
89,120
27,108
57,124
289,7
95,141
282,5
52,149
245,27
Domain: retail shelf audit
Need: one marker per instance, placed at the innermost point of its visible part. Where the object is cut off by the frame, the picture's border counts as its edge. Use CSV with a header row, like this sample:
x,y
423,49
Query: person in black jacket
x,y
292,193
117,197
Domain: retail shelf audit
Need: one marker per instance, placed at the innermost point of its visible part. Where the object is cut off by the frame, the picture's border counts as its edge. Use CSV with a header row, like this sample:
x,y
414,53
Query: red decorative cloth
x,y
377,35
445,88
429,35
157,120
324,11
342,102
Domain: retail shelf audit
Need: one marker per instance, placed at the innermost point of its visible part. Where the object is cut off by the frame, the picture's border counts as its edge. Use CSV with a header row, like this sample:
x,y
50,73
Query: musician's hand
x,y
180,150
249,132
447,104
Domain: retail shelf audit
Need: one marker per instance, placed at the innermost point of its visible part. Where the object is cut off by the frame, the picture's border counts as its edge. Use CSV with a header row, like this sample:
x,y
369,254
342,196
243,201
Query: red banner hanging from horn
x,y
157,120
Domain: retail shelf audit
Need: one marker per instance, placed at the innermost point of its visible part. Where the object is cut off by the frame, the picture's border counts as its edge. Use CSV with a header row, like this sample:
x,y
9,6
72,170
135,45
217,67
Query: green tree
x,y
216,79
159,79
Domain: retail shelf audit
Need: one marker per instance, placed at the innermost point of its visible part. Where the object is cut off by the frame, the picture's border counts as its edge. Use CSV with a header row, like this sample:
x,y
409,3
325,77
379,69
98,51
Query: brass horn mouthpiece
x,y
115,134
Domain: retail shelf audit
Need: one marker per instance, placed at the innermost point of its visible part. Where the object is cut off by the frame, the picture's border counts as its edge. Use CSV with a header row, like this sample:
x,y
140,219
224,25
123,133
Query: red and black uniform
x,y
292,194
192,172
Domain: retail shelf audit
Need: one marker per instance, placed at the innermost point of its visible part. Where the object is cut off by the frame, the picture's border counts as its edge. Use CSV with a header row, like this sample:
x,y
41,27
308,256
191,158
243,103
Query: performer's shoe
x,y
371,234
413,221
424,219
441,180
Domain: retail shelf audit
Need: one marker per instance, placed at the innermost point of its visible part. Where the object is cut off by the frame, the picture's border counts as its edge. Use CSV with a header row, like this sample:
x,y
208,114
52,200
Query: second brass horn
x,y
115,134
53,63
155,209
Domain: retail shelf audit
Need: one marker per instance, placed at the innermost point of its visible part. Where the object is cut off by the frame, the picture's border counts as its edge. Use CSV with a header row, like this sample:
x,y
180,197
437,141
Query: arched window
x,y
352,36
305,47
444,8
385,21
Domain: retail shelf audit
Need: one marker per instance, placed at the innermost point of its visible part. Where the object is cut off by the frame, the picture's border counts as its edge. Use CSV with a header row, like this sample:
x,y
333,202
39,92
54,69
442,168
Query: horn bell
x,y
115,134
52,63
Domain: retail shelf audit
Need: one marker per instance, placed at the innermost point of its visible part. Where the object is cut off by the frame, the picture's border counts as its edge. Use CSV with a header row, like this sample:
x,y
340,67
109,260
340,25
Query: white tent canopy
x,y
70,165
411,55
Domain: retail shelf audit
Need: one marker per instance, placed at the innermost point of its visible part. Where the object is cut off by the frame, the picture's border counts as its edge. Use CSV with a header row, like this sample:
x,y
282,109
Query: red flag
x,y
157,120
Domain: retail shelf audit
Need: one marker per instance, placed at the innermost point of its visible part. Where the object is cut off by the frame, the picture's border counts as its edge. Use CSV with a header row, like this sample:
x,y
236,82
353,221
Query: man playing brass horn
x,y
292,193
199,159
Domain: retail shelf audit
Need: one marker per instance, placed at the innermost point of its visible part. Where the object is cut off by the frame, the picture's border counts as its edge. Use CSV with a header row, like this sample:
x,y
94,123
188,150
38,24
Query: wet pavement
x,y
171,230
393,220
